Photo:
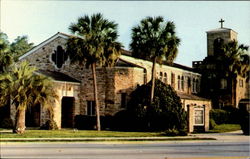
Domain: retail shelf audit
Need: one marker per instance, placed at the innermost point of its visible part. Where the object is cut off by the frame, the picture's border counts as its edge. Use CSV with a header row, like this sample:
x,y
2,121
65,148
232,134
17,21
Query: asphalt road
x,y
135,150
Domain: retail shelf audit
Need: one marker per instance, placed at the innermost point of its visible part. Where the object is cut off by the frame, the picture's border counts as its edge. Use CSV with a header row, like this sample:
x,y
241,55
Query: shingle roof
x,y
190,96
58,76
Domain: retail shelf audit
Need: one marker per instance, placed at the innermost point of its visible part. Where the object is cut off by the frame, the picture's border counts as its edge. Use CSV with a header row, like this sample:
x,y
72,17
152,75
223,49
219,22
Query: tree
x,y
20,46
165,112
6,59
24,89
154,40
94,45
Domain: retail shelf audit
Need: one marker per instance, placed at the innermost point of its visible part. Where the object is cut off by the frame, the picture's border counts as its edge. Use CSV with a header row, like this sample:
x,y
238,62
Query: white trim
x,y
203,116
43,44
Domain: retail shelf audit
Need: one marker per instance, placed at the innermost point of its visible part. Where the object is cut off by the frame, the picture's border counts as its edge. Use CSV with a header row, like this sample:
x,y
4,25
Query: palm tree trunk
x,y
153,81
19,127
98,123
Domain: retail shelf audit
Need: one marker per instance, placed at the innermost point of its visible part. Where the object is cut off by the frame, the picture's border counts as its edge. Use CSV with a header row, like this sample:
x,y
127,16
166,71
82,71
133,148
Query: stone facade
x,y
114,84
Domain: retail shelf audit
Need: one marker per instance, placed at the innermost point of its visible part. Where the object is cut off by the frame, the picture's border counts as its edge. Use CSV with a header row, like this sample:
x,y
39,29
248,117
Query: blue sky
x,y
41,19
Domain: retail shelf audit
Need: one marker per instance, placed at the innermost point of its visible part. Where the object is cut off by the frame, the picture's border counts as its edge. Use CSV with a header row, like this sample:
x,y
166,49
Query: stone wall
x,y
226,34
168,71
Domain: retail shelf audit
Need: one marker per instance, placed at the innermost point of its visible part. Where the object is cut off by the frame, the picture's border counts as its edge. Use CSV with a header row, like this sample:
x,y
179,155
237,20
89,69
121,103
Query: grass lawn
x,y
225,128
76,134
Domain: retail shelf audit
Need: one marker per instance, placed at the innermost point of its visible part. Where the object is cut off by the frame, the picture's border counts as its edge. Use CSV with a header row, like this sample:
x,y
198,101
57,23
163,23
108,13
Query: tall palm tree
x,y
94,45
25,89
154,40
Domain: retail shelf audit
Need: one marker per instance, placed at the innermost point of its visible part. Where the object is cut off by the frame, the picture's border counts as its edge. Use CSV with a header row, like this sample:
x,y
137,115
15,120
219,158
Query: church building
x,y
74,87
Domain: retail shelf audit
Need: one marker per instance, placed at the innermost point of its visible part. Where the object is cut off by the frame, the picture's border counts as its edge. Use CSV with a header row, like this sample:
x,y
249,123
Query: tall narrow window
x,y
165,78
161,76
91,108
182,83
173,80
123,100
194,85
179,83
197,86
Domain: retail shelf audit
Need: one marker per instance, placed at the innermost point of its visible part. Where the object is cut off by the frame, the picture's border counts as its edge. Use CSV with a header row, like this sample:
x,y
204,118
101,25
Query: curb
x,y
103,139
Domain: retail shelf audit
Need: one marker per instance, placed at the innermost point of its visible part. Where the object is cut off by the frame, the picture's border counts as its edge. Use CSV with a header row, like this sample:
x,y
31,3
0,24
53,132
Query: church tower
x,y
217,36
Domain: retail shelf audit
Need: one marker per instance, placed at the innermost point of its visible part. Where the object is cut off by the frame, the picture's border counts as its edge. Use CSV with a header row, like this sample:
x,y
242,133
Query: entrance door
x,y
67,112
32,116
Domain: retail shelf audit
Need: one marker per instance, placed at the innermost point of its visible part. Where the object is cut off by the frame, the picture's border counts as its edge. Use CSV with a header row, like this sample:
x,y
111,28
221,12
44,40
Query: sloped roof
x,y
58,76
190,96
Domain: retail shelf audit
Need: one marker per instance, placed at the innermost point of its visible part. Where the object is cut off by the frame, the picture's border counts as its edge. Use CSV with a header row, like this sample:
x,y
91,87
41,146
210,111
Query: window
x,y
199,116
182,83
91,108
165,78
145,76
161,76
194,85
179,82
223,83
59,56
173,80
123,100
197,86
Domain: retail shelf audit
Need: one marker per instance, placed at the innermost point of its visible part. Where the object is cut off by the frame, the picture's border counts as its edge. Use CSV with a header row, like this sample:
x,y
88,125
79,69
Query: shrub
x,y
84,122
212,124
6,123
49,125
219,116
244,119
165,107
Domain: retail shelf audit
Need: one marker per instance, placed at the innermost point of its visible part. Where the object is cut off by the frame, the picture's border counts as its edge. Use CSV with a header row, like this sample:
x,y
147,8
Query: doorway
x,y
67,117
32,116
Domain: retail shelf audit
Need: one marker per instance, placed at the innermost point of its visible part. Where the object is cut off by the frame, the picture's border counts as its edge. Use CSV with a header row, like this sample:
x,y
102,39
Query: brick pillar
x,y
190,118
206,114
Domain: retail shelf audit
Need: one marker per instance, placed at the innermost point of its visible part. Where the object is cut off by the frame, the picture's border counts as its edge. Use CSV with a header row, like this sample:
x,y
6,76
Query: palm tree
x,y
25,89
94,45
234,60
154,40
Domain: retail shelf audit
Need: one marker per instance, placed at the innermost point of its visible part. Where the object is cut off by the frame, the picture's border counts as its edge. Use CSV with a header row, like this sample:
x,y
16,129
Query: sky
x,y
41,19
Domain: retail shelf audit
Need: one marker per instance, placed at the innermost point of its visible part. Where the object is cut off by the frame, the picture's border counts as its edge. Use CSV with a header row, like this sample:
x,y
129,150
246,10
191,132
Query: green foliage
x,y
212,124
244,119
165,107
175,132
49,125
6,123
95,41
155,38
20,46
228,115
24,88
225,128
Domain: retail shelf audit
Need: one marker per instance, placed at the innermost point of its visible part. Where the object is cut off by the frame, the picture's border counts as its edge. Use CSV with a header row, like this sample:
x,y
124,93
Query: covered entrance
x,y
67,117
32,116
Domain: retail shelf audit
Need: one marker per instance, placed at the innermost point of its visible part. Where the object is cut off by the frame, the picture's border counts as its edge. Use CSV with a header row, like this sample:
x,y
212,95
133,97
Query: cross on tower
x,y
221,22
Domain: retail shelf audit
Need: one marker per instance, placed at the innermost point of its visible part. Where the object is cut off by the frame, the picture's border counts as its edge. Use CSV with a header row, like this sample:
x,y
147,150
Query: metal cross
x,y
221,22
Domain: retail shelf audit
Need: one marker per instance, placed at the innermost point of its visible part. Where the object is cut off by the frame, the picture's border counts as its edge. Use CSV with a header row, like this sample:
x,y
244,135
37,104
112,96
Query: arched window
x,y
182,83
194,85
179,82
165,78
197,86
173,80
161,76
218,44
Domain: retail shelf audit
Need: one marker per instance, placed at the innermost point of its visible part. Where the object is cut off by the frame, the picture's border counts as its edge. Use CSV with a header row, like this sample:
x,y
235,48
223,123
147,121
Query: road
x,y
135,150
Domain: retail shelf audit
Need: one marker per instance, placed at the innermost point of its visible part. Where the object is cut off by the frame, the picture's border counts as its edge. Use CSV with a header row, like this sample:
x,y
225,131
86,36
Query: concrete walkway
x,y
228,136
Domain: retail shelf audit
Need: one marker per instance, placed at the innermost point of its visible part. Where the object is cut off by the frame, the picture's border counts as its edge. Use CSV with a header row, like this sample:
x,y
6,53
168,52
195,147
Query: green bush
x,y
219,116
6,123
244,119
212,124
49,125
164,113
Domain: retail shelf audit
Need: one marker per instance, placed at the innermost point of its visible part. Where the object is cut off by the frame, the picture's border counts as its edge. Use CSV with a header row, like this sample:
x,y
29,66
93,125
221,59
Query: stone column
x,y
206,114
190,118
